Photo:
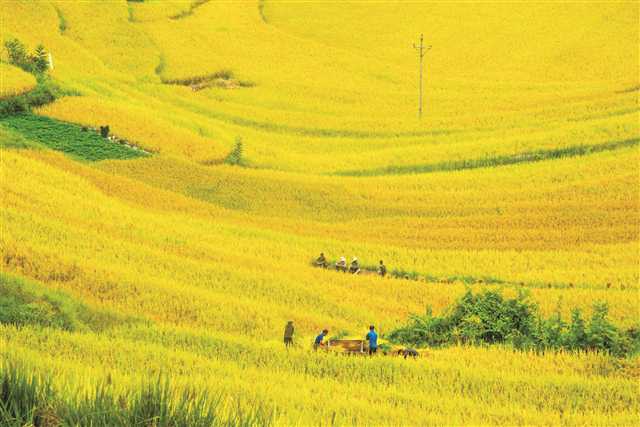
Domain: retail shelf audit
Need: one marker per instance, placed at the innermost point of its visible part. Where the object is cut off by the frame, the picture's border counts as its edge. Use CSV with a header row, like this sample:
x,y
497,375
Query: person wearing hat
x,y
355,266
382,269
341,265
322,261
288,334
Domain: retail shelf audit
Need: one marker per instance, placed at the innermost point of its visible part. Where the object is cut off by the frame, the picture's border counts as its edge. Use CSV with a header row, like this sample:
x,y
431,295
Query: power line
x,y
422,50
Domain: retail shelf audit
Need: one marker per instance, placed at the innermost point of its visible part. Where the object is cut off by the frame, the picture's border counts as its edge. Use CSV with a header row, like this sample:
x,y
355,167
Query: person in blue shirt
x,y
372,337
318,342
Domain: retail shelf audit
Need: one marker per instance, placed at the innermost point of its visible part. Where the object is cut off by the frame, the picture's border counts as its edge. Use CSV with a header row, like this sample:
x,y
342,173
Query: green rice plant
x,y
25,302
69,138
27,398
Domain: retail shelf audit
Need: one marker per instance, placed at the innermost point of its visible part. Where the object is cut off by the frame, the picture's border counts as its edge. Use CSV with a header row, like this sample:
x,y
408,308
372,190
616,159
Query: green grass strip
x,y
69,138
526,157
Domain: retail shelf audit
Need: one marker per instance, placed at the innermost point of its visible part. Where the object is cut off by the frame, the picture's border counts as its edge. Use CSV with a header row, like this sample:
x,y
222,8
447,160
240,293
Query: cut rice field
x,y
162,271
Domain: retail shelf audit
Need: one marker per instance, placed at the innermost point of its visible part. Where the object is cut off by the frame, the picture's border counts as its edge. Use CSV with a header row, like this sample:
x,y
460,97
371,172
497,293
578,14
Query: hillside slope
x,y
521,175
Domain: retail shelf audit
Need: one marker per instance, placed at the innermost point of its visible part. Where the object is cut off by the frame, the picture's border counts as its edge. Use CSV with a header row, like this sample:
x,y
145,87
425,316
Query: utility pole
x,y
422,50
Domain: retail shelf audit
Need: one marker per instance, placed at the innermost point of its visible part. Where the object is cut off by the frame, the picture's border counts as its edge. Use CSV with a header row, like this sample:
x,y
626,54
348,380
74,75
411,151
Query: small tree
x,y
40,60
18,54
235,156
554,328
602,334
576,338
36,63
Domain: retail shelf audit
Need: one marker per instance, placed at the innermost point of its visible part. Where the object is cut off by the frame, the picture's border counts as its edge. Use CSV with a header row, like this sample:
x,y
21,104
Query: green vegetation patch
x,y
69,138
489,318
11,139
45,92
24,302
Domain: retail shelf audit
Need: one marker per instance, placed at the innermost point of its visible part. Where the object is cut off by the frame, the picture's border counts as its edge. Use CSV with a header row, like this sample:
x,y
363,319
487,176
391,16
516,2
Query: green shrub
x,y
235,156
17,54
45,92
36,63
40,59
489,318
13,105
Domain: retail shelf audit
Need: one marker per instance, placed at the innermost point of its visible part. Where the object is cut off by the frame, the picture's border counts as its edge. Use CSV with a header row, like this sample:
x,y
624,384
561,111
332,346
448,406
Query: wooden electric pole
x,y
422,50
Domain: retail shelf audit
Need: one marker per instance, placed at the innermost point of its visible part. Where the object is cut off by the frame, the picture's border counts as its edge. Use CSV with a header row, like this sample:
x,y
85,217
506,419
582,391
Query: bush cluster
x,y
36,62
490,318
44,93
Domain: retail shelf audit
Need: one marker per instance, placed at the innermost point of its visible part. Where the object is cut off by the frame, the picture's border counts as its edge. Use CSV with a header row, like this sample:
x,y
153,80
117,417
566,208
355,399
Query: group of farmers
x,y
371,338
372,335
353,268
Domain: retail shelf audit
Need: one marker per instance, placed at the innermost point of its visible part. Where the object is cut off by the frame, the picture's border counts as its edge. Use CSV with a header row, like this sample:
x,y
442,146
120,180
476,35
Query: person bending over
x,y
322,261
318,343
355,266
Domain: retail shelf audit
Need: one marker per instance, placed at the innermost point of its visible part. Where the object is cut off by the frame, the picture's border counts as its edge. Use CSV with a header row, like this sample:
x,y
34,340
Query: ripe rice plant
x,y
15,81
152,286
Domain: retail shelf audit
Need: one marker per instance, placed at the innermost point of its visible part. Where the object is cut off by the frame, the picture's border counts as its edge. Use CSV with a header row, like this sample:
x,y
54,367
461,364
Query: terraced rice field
x,y
521,175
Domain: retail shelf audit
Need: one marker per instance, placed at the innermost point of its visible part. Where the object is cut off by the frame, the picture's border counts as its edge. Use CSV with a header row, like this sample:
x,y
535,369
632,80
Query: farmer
x,y
372,337
408,352
288,334
355,266
341,265
382,269
318,342
321,261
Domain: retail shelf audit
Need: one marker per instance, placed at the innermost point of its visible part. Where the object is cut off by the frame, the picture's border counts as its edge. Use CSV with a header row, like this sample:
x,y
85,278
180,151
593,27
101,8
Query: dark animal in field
x,y
408,352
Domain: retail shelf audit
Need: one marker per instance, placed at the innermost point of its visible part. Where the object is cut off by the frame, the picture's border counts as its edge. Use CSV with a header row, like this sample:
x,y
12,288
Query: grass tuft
x,y
27,398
